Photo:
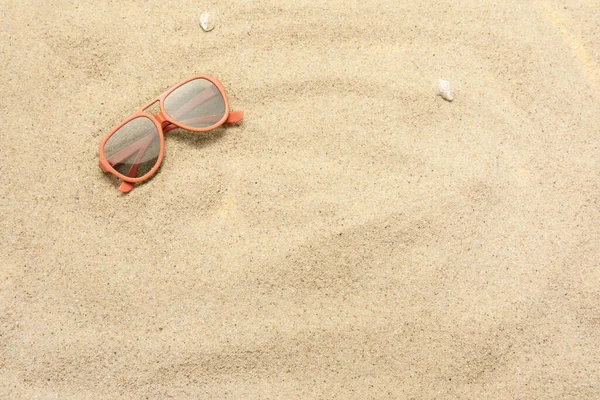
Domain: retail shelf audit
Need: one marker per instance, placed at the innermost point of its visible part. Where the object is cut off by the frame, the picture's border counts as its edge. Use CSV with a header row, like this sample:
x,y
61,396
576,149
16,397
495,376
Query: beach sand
x,y
355,237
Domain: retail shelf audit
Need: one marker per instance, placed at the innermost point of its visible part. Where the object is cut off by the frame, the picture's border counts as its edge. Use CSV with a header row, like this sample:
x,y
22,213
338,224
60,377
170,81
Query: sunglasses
x,y
134,149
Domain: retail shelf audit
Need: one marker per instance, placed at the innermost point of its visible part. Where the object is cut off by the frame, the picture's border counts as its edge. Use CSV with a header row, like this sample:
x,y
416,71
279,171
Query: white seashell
x,y
444,90
207,22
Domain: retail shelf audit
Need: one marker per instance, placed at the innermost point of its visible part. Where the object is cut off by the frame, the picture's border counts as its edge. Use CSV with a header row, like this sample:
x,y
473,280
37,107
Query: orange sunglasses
x,y
134,149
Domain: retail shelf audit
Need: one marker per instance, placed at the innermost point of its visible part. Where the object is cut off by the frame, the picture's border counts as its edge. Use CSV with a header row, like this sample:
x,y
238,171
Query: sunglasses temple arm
x,y
235,117
169,127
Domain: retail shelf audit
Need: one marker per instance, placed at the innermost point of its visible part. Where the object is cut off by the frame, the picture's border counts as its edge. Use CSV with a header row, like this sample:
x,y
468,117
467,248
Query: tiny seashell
x,y
444,90
207,22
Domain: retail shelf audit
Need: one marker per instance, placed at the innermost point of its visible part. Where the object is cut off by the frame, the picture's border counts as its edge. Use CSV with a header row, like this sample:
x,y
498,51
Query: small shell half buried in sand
x,y
207,22
444,90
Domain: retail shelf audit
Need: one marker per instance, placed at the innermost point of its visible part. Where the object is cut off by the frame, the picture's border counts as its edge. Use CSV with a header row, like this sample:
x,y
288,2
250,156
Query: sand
x,y
355,237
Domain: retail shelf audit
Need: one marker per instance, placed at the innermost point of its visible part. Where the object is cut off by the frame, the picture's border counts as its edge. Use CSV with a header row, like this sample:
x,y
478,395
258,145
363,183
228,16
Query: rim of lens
x,y
176,119
159,157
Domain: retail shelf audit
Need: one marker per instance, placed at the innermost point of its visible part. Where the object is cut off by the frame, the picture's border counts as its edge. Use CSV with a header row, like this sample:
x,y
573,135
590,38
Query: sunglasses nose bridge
x,y
160,117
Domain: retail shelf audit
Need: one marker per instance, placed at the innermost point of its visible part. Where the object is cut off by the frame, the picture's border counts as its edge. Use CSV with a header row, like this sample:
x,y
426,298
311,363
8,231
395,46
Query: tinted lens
x,y
133,149
198,104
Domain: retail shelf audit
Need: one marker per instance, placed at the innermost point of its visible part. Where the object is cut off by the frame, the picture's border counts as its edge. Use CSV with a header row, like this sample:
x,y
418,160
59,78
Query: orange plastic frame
x,y
164,123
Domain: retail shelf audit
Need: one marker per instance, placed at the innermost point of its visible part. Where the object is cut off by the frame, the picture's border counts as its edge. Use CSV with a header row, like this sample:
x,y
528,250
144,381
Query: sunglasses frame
x,y
163,123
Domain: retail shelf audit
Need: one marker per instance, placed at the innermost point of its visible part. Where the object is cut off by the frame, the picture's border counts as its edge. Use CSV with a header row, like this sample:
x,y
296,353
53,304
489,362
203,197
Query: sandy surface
x,y
355,237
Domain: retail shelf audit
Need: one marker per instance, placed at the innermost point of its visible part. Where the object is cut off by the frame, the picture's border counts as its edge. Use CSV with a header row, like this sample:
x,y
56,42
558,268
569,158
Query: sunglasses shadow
x,y
196,139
